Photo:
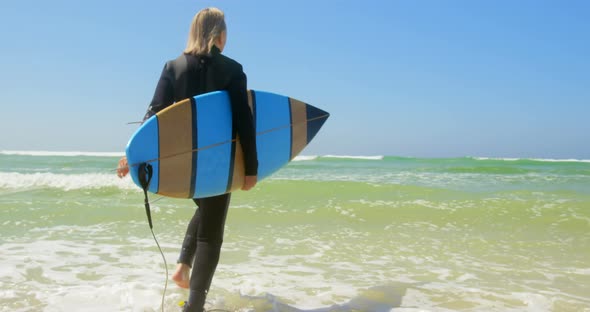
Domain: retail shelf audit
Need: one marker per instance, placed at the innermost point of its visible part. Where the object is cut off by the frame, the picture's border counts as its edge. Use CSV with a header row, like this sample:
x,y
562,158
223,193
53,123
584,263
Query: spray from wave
x,y
65,154
67,182
531,159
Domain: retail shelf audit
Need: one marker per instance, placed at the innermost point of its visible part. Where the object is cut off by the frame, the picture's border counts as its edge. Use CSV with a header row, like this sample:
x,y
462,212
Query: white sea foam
x,y
68,154
68,182
533,159
314,157
86,268
561,160
77,276
377,157
496,158
303,158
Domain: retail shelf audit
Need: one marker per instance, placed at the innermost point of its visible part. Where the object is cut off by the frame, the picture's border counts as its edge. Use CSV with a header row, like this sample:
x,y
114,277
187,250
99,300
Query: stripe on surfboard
x,y
299,124
176,136
315,119
195,145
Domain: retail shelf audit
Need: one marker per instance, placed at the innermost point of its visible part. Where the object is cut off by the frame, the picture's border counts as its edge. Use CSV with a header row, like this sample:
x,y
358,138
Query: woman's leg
x,y
187,252
189,245
213,212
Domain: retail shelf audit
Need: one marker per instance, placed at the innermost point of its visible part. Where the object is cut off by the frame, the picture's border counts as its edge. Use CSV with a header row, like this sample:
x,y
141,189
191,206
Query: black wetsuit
x,y
185,77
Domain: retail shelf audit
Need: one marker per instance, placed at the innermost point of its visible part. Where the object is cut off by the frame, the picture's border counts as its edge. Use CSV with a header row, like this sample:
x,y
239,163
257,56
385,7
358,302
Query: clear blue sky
x,y
411,78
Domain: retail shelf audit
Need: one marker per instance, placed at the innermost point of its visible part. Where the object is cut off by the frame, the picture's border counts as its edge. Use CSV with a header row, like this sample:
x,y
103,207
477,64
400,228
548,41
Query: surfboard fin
x,y
145,177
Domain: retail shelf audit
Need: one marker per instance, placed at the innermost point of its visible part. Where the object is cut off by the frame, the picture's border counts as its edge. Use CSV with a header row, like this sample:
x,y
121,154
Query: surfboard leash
x,y
145,177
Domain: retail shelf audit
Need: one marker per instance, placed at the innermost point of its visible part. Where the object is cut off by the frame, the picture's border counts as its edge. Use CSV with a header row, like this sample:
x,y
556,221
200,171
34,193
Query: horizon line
x,y
299,157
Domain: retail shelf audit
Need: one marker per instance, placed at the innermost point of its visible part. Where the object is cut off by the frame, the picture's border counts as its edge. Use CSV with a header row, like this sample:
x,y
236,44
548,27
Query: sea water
x,y
331,233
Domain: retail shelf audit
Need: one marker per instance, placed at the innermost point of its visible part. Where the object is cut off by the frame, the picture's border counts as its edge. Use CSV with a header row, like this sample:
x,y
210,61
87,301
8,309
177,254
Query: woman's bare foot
x,y
181,275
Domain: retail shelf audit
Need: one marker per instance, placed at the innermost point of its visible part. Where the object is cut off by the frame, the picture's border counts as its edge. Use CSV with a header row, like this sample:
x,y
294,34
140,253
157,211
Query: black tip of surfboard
x,y
315,120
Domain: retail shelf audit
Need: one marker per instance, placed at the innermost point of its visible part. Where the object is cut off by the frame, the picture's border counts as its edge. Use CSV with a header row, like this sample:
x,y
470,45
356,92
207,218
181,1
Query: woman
x,y
201,69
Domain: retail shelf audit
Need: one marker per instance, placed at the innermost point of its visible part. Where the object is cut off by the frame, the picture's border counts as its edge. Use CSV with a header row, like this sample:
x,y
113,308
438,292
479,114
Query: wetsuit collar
x,y
215,50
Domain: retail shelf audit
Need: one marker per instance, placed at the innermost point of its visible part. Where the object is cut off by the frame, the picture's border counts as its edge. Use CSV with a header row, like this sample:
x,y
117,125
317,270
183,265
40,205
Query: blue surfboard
x,y
193,151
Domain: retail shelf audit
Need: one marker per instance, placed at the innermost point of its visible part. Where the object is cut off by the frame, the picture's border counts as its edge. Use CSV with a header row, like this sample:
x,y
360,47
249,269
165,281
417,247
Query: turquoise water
x,y
323,234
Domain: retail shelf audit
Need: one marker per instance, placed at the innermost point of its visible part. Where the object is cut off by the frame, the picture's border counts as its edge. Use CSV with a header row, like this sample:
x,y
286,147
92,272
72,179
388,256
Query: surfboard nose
x,y
315,120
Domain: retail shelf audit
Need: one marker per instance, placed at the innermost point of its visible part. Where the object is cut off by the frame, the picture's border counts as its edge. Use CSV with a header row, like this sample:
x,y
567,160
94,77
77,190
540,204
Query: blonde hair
x,y
206,27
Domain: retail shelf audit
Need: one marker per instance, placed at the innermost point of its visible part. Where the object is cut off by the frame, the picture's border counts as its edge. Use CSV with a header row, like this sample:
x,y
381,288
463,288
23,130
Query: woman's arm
x,y
164,94
243,121
163,97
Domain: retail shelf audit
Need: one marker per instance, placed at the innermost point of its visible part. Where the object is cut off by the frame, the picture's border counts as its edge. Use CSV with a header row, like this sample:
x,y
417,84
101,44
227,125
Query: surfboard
x,y
193,151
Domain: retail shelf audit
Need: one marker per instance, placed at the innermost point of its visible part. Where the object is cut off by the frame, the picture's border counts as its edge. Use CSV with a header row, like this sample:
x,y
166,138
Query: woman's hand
x,y
123,168
249,182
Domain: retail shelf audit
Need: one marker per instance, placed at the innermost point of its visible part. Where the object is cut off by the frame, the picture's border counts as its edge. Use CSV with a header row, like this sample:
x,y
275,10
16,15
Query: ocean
x,y
327,233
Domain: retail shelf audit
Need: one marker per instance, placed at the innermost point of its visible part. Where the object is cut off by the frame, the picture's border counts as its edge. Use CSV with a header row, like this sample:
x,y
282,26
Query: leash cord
x,y
165,266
